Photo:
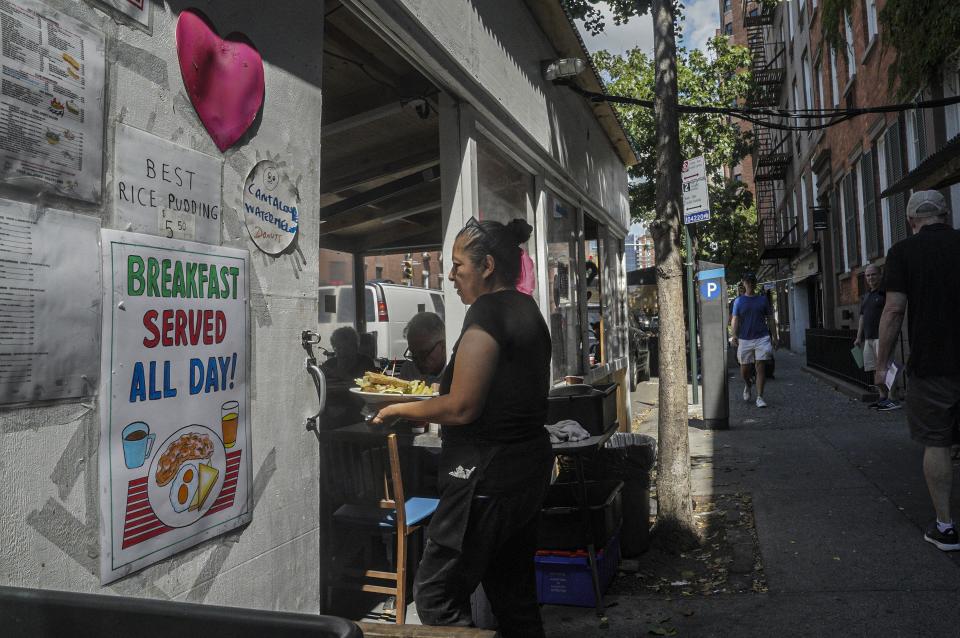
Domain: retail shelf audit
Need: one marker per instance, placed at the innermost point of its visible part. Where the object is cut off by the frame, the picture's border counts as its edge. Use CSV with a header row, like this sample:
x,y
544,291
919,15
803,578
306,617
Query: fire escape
x,y
778,233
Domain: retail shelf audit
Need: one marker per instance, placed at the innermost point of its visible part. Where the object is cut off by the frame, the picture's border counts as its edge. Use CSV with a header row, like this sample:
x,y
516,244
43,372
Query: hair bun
x,y
520,230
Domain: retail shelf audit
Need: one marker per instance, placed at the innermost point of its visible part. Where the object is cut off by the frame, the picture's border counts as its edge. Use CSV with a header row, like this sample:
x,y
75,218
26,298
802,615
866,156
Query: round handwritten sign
x,y
271,208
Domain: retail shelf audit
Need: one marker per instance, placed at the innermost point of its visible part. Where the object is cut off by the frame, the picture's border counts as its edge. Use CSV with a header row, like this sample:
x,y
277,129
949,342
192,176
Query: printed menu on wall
x,y
49,304
175,462
51,100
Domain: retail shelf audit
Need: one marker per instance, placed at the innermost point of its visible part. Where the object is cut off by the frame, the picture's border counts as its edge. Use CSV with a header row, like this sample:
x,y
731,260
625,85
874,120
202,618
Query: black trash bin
x,y
626,457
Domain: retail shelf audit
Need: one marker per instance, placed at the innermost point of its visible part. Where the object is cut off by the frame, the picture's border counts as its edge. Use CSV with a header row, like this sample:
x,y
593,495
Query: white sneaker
x,y
761,403
746,393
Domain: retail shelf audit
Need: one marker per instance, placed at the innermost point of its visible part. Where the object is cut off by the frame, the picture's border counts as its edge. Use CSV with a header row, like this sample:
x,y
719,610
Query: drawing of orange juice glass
x,y
229,416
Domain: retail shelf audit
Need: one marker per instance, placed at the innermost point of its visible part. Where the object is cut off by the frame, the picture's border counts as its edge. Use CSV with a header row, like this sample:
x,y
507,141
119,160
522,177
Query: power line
x,y
757,115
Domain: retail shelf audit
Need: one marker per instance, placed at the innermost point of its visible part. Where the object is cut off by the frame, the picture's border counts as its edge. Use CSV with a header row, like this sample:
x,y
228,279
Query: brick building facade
x,y
843,169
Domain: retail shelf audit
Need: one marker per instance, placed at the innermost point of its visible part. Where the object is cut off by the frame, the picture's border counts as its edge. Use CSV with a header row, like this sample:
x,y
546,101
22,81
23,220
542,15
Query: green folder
x,y
857,353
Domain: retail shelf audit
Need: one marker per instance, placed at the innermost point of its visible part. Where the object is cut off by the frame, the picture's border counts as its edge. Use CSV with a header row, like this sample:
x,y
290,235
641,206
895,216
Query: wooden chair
x,y
379,488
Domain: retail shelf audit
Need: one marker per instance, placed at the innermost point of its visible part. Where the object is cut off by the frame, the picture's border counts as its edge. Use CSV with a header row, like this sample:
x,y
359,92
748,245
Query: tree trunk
x,y
675,526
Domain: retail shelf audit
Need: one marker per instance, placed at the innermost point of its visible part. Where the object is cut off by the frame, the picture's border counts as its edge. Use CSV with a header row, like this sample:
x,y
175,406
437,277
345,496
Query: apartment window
x,y
728,28
893,172
813,185
803,203
796,96
916,138
807,80
851,52
726,6
849,203
788,218
834,82
871,19
868,195
788,7
821,102
951,88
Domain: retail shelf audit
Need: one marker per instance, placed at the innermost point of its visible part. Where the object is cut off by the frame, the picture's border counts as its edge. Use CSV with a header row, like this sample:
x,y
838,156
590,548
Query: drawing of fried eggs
x,y
184,487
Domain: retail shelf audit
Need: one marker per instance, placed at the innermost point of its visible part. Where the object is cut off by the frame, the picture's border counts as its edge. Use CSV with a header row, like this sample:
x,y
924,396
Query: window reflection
x,y
562,269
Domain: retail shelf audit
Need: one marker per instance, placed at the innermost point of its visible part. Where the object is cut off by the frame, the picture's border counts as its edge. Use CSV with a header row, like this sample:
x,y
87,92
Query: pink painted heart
x,y
223,77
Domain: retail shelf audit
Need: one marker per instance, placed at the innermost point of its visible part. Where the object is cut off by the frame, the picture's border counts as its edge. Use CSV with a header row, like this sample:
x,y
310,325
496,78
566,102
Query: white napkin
x,y
566,431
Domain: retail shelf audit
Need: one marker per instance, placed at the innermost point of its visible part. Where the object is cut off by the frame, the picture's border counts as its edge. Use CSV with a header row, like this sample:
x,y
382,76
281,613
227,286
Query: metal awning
x,y
937,171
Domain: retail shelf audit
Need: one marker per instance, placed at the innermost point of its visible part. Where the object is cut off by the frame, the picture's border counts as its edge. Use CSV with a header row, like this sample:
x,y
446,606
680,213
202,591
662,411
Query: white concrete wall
x,y
48,455
502,47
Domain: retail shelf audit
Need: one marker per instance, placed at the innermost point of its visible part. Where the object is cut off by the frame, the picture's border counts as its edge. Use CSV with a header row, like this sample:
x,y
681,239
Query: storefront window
x,y
562,271
335,294
506,191
593,251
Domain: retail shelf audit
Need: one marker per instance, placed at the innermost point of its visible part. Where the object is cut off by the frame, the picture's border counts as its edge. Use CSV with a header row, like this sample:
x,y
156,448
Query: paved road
x,y
839,502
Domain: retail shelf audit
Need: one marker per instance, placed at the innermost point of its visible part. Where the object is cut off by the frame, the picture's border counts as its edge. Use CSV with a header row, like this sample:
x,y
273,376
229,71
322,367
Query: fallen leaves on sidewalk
x,y
728,561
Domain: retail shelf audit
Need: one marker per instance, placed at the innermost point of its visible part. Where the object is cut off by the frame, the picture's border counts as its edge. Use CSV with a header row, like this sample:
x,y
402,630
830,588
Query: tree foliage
x,y
717,79
923,34
621,10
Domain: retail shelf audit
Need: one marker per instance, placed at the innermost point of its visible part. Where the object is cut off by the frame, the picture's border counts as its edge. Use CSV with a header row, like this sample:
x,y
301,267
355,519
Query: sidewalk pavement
x,y
840,504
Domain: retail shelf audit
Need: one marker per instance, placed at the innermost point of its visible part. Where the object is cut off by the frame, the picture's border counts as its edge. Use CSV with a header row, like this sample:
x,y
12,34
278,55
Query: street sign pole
x,y
691,316
696,209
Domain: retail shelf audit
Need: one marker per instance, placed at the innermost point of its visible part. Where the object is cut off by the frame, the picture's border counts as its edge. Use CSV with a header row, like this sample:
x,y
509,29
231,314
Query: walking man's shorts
x,y
751,350
933,409
870,348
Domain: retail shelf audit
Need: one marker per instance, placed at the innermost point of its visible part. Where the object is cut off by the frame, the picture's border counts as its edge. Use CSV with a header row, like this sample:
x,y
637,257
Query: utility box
x,y
712,289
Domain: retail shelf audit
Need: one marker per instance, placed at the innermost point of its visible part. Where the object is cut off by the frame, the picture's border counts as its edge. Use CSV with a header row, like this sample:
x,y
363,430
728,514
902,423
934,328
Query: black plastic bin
x,y
593,407
561,521
626,457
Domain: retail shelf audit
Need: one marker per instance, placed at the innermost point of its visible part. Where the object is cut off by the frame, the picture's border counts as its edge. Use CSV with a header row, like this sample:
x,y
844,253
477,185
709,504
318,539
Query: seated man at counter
x,y
347,363
426,354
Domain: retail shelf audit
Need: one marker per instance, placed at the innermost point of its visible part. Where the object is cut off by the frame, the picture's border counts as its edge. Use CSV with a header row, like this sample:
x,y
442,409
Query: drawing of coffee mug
x,y
229,415
137,443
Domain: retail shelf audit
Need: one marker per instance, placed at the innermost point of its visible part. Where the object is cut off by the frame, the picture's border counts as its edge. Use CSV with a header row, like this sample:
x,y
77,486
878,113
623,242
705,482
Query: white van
x,y
388,308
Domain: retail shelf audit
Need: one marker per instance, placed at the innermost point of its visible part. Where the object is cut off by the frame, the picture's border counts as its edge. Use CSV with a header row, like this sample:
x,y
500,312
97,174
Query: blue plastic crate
x,y
565,579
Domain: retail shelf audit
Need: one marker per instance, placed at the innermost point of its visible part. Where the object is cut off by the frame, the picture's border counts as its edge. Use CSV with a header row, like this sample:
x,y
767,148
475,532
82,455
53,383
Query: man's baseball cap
x,y
926,204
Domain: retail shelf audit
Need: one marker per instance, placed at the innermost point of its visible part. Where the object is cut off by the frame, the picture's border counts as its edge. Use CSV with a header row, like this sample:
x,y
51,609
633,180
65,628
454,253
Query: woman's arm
x,y
473,372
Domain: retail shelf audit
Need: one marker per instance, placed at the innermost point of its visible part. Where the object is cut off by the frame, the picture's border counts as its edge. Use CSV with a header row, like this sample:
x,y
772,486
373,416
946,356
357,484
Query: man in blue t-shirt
x,y
753,335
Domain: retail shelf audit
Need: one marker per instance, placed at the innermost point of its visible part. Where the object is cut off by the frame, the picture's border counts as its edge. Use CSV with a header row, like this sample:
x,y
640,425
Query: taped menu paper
x,y
51,101
49,304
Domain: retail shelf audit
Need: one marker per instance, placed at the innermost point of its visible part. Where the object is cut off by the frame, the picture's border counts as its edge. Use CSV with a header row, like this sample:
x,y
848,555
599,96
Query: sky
x,y
702,19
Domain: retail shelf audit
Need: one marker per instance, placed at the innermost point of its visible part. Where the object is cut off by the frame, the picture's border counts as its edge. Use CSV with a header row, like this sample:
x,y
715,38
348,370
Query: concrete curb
x,y
851,390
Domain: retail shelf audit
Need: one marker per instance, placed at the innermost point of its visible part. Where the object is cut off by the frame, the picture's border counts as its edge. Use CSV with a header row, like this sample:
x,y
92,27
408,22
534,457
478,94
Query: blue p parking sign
x,y
710,289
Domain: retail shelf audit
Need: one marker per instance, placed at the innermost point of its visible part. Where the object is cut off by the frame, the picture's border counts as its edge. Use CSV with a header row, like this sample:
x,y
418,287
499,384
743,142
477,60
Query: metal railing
x,y
829,351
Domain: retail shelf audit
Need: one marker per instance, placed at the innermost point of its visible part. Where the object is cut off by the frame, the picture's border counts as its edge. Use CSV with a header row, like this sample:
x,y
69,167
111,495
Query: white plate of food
x,y
380,389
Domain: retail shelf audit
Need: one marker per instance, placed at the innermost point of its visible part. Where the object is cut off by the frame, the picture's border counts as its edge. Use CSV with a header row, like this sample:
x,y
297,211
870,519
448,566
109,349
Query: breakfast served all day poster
x,y
175,463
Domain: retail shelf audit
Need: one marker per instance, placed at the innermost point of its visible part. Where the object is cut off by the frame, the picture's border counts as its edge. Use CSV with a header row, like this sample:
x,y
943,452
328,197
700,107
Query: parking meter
x,y
712,288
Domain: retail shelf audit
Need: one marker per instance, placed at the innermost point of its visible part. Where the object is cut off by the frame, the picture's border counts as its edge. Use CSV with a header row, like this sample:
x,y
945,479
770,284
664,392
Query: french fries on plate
x,y
384,384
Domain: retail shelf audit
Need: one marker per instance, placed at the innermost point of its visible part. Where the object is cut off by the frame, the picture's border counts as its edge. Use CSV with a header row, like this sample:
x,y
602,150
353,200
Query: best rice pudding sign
x,y
175,465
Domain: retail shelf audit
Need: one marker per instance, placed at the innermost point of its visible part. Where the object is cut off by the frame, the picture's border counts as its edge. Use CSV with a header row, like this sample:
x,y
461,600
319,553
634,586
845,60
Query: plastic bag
x,y
527,279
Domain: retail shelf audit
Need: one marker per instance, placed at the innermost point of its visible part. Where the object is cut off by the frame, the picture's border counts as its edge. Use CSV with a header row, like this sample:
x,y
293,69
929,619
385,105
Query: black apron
x,y
461,468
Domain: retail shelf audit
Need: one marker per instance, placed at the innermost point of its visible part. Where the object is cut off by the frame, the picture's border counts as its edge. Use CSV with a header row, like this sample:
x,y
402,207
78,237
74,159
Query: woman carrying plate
x,y
496,457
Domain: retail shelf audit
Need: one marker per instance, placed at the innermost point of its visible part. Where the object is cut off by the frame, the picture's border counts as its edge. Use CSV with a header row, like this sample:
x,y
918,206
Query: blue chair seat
x,y
416,509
